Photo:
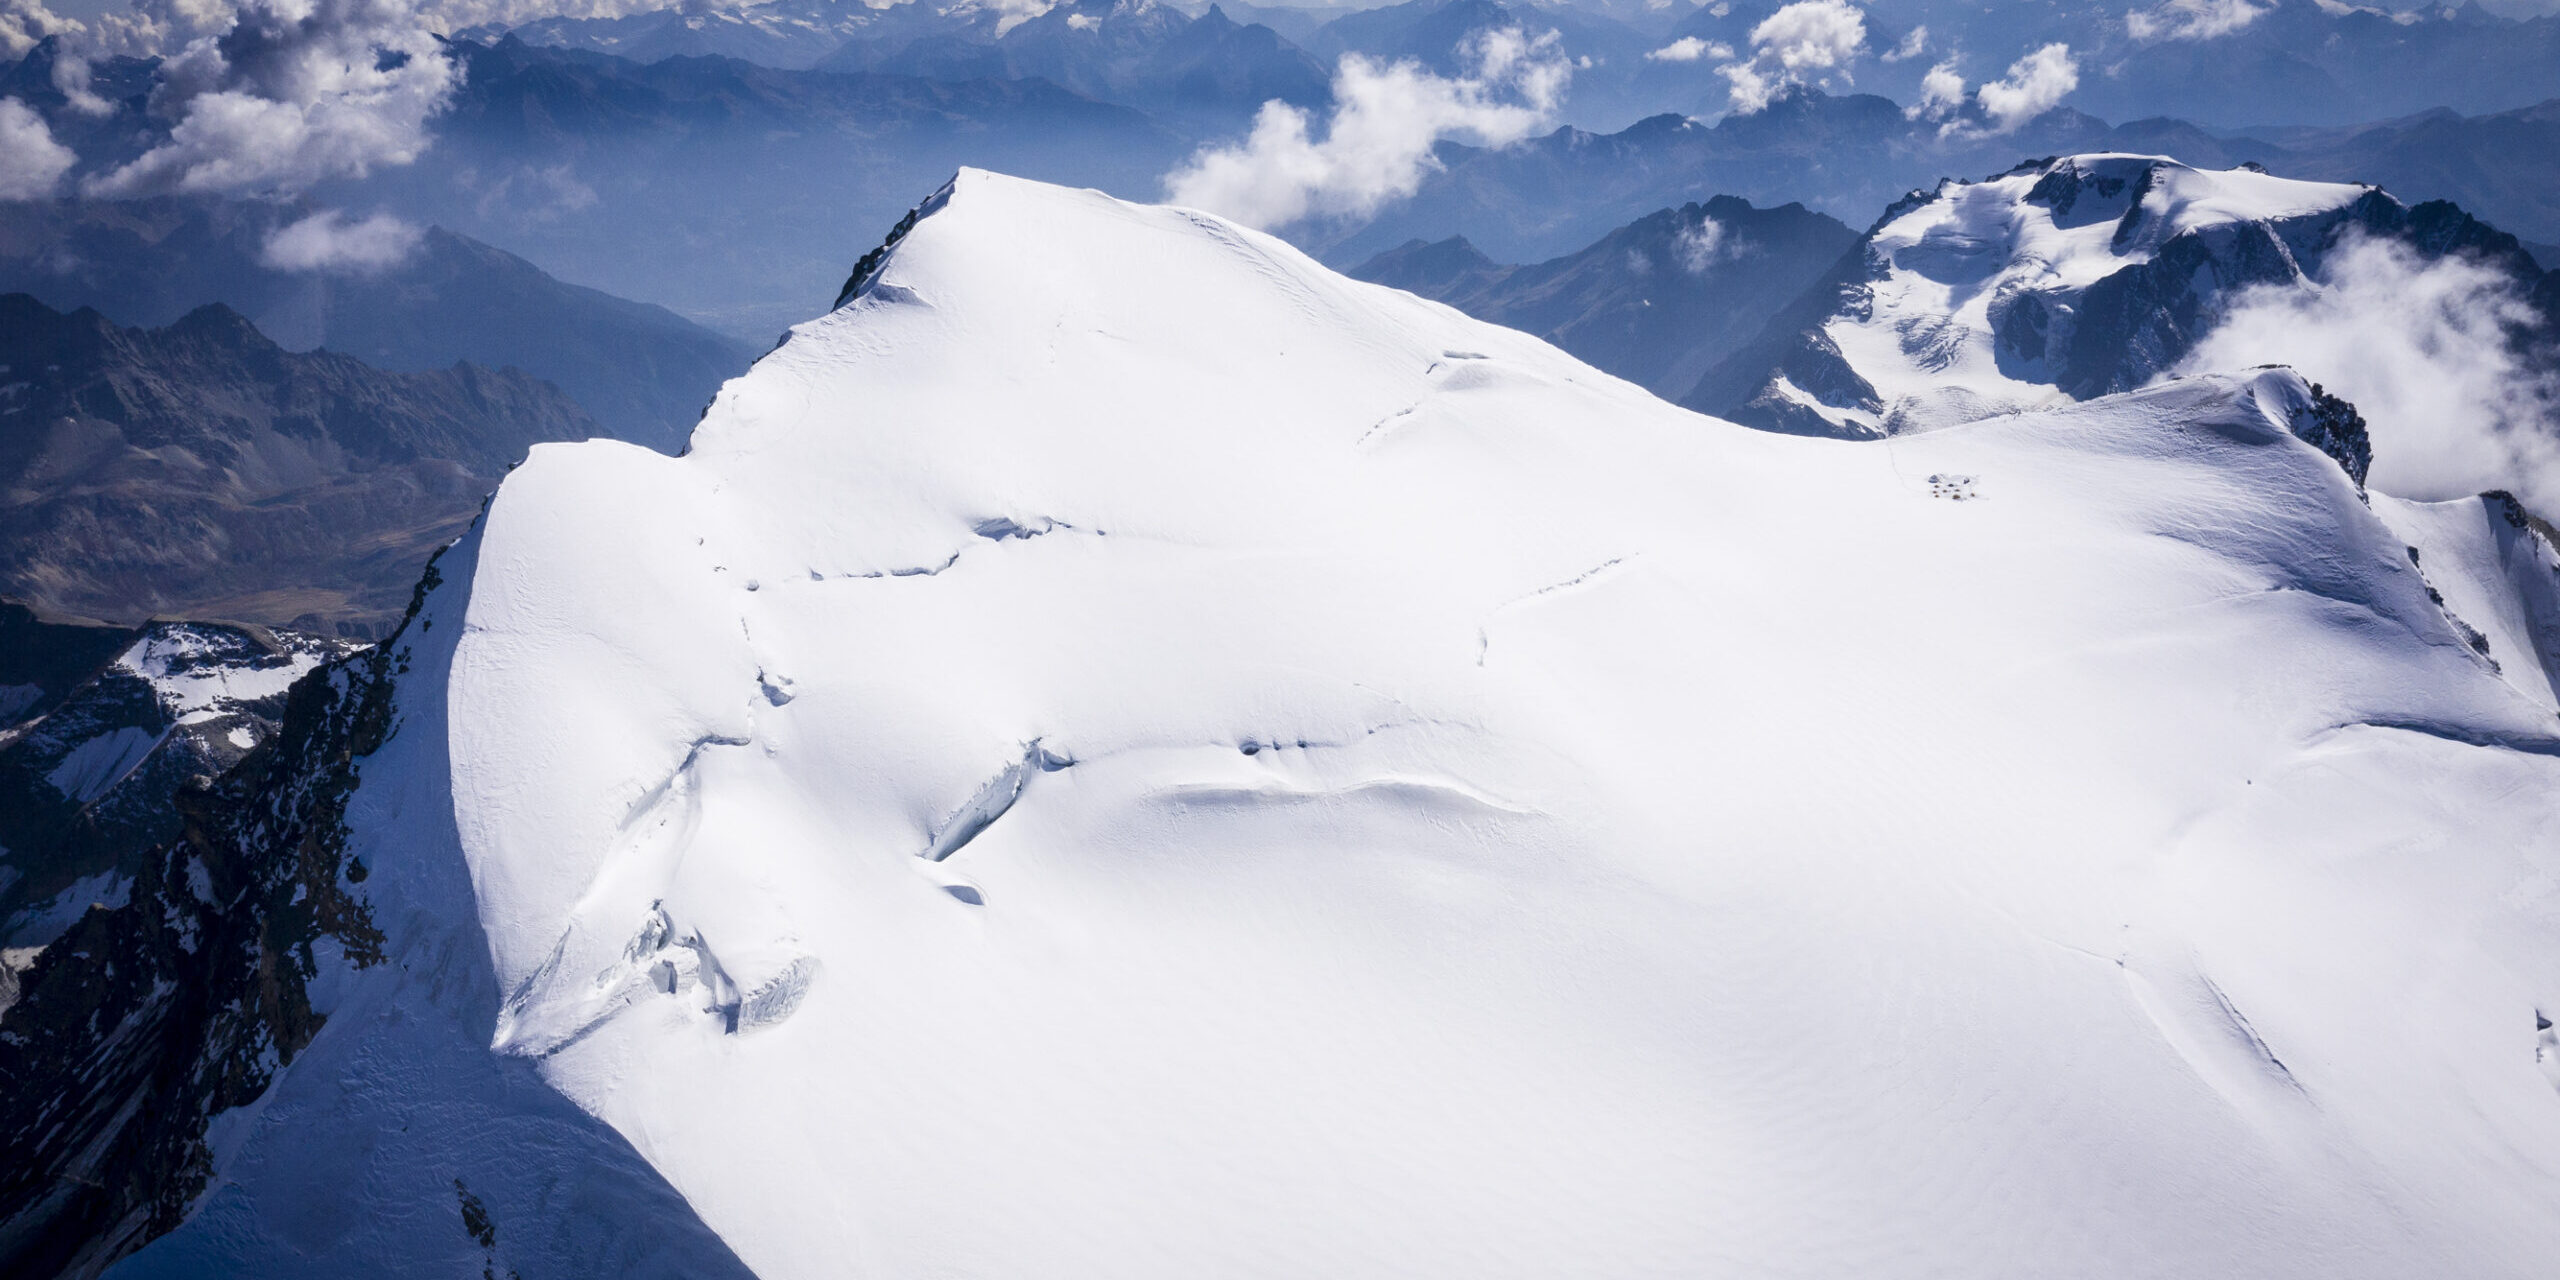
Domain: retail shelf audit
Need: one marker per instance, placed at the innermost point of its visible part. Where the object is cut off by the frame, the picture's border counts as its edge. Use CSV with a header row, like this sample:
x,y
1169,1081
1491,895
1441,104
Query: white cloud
x,y
1707,245
1803,43
24,22
2036,84
1941,94
2423,350
1689,49
71,78
327,242
1912,46
2192,19
31,162
287,93
1377,147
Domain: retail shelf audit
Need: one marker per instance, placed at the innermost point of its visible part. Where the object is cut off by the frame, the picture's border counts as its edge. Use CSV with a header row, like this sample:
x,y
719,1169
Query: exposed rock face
x,y
1657,302
2335,428
204,971
91,766
203,471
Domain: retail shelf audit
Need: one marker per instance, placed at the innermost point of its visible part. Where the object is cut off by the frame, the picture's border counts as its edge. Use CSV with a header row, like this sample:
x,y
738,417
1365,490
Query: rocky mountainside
x,y
117,722
200,470
711,876
2076,277
1658,302
101,1060
641,371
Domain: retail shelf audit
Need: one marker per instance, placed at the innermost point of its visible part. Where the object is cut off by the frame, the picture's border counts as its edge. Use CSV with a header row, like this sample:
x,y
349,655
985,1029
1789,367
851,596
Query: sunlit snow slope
x,y
1122,753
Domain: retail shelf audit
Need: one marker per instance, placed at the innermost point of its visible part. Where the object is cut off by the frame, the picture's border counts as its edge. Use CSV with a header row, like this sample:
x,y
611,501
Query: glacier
x,y
1118,751
2063,279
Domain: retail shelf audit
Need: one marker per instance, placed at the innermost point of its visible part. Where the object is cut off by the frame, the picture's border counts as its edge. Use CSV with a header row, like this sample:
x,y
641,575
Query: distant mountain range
x,y
1657,302
735,193
643,372
2250,62
626,173
1207,69
1851,156
201,471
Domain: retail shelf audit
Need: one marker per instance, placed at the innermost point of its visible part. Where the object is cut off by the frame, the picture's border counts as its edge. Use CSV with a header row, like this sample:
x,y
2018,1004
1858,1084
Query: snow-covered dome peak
x,y
1120,752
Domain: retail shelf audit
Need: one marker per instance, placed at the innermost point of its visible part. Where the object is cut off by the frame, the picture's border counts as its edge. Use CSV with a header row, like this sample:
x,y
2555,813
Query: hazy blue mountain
x,y
200,470
2504,167
1146,55
790,34
641,371
1658,302
734,193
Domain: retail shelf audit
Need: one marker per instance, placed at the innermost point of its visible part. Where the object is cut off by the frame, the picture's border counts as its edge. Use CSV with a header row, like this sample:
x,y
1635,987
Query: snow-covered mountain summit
x,y
1121,752
2072,277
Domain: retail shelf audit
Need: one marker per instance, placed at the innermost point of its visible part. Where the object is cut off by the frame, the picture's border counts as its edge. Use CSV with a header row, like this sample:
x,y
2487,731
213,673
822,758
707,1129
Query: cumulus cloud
x,y
1941,94
327,242
2425,351
1377,147
2036,83
1800,44
2192,19
1912,46
1689,49
274,95
31,162
24,22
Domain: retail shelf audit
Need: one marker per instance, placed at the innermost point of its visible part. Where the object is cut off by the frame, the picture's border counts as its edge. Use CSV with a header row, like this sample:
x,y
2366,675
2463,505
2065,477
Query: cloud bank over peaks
x,y
1690,49
2429,352
25,22
1377,147
2192,19
2035,84
288,93
31,162
327,242
1808,42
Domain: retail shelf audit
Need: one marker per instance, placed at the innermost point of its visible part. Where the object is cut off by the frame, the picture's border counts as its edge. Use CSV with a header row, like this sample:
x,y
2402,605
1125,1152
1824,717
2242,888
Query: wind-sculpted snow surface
x,y
1121,753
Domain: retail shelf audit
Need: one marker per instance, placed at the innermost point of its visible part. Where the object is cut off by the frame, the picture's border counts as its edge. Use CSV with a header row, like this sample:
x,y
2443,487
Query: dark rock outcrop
x,y
148,1017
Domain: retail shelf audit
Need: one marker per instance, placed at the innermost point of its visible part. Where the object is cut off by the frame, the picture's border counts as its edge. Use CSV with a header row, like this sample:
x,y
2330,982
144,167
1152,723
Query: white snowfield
x,y
1925,340
1122,753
